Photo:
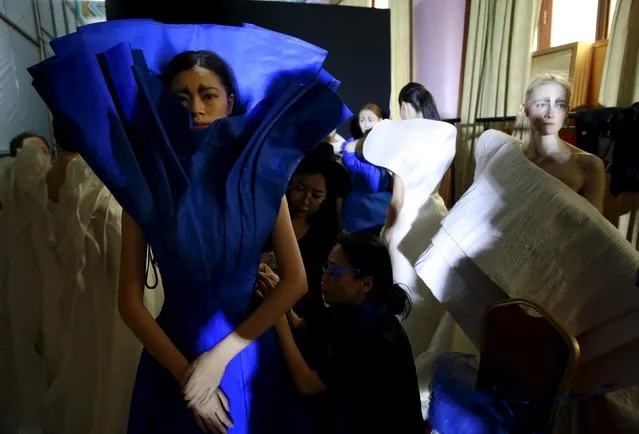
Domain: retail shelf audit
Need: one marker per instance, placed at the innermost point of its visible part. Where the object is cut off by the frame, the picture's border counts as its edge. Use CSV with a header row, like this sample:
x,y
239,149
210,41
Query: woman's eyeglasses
x,y
314,196
338,270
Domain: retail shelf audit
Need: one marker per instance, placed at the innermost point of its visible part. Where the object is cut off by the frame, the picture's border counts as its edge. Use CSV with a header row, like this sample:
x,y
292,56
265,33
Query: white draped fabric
x,y
513,234
422,153
82,358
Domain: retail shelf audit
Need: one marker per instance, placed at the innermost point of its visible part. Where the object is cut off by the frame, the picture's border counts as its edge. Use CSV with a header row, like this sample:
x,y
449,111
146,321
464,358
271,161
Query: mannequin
x,y
542,116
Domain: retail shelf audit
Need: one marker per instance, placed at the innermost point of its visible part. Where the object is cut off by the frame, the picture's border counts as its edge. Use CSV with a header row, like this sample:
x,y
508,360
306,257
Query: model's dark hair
x,y
370,257
16,143
326,216
62,138
203,59
421,99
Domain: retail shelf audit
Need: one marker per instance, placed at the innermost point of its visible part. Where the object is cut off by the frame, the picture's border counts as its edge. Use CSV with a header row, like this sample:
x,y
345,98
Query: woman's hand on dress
x,y
266,280
213,417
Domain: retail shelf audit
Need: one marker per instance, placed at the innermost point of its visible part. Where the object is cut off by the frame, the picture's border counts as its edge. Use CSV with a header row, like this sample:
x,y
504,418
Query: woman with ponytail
x,y
355,356
416,102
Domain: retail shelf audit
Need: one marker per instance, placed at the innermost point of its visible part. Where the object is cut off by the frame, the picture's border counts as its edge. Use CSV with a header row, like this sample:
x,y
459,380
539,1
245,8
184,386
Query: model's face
x,y
340,285
407,111
307,192
37,141
367,120
547,109
201,92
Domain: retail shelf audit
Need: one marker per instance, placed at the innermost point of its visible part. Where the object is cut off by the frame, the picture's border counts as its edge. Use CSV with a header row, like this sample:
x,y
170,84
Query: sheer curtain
x,y
620,87
401,49
496,70
620,81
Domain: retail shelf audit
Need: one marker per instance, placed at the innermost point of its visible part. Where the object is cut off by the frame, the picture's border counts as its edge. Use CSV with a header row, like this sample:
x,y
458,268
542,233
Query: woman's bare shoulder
x,y
589,163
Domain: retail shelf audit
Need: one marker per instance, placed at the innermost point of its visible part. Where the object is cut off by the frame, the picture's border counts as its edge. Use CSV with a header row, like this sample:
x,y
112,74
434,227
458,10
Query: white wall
x,y
438,45
21,109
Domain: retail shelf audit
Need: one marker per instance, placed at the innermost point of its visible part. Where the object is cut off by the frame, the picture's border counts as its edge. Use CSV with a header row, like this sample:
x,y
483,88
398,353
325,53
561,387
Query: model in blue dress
x,y
203,187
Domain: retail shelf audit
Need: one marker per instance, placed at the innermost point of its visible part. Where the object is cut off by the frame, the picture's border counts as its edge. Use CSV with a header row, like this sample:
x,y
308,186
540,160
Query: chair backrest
x,y
526,353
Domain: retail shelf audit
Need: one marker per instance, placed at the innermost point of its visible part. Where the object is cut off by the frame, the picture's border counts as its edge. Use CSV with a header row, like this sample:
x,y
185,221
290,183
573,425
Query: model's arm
x,y
210,366
307,381
131,303
397,200
377,179
595,181
394,208
291,287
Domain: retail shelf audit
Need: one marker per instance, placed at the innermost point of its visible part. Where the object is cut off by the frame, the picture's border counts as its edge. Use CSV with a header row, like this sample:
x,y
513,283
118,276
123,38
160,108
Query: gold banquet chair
x,y
524,349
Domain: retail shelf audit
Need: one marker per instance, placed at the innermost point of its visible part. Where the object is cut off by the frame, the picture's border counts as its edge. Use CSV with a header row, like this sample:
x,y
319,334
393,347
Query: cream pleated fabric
x,y
519,232
86,355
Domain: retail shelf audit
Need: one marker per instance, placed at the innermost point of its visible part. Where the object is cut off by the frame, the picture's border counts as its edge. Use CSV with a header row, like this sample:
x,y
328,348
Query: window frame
x,y
544,25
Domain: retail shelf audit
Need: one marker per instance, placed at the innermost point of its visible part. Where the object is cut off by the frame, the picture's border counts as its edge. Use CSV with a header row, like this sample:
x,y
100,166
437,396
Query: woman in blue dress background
x,y
203,189
364,210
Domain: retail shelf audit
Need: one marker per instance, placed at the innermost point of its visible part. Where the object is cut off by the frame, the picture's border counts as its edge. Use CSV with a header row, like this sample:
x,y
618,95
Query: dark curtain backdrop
x,y
357,39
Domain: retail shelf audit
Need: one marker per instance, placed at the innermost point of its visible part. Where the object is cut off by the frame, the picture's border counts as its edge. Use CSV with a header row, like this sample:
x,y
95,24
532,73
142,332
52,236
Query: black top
x,y
315,246
369,372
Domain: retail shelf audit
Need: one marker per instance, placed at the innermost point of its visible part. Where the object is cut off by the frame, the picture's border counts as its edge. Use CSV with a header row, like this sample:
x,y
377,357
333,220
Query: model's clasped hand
x,y
213,416
201,380
203,395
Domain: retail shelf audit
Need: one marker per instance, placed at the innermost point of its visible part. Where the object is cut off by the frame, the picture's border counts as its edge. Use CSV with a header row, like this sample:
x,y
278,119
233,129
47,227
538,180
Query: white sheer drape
x,y
401,49
496,70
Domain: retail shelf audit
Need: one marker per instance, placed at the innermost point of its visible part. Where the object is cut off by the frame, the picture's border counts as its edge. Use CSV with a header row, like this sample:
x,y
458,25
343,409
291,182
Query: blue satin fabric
x,y
457,407
365,207
205,199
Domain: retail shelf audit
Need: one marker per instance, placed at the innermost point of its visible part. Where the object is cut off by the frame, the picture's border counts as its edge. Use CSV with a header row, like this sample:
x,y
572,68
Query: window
x,y
566,21
611,14
573,21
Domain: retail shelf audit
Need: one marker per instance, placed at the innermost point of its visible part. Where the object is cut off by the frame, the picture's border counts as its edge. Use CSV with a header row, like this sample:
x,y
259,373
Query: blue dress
x,y
206,200
364,209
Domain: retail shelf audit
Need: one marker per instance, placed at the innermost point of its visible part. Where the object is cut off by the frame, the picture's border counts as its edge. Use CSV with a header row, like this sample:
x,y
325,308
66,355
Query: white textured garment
x,y
23,376
87,356
419,152
519,232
